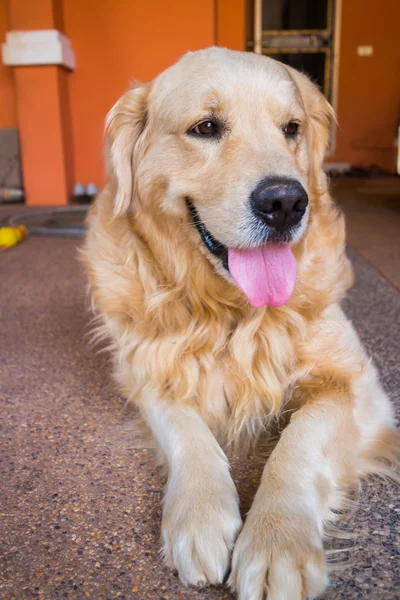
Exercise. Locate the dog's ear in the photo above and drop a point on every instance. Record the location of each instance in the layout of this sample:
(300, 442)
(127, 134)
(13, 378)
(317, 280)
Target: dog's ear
(125, 126)
(319, 119)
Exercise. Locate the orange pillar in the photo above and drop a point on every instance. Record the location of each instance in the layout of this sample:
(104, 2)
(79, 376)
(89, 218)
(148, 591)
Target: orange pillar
(42, 104)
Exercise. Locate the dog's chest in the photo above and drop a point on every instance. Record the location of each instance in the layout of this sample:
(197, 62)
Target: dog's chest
(249, 380)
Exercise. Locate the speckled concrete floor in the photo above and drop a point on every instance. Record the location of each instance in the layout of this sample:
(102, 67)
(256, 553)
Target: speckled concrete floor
(80, 500)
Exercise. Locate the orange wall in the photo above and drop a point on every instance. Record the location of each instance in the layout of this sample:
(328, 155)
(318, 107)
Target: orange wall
(369, 87)
(231, 24)
(8, 109)
(116, 41)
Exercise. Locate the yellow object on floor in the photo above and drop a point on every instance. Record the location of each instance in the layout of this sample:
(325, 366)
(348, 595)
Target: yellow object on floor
(10, 236)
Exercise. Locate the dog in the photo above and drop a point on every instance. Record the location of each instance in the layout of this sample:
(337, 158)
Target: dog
(216, 260)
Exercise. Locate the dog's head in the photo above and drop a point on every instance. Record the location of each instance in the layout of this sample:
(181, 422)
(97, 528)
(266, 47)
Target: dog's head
(232, 144)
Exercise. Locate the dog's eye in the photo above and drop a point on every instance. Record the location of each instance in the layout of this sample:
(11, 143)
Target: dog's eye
(291, 129)
(206, 129)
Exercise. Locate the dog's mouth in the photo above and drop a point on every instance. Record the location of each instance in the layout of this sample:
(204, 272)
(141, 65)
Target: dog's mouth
(266, 274)
(215, 247)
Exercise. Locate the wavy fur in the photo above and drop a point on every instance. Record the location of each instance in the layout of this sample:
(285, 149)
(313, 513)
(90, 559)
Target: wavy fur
(181, 332)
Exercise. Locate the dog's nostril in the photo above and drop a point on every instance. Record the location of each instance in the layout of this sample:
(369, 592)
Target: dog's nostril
(276, 206)
(300, 205)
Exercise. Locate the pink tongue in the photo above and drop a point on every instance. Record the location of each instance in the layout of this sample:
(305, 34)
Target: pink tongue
(266, 275)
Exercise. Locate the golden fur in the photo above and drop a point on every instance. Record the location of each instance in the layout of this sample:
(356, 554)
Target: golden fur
(181, 331)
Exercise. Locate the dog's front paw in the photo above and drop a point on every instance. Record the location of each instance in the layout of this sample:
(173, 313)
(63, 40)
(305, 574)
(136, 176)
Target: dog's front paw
(199, 529)
(278, 556)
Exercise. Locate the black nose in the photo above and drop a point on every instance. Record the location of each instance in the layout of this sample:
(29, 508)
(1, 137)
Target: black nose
(279, 202)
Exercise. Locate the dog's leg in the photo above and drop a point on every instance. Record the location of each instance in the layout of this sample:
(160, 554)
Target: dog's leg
(201, 516)
(332, 440)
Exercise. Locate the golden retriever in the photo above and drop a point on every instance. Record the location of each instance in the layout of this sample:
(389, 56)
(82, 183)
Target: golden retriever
(217, 264)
